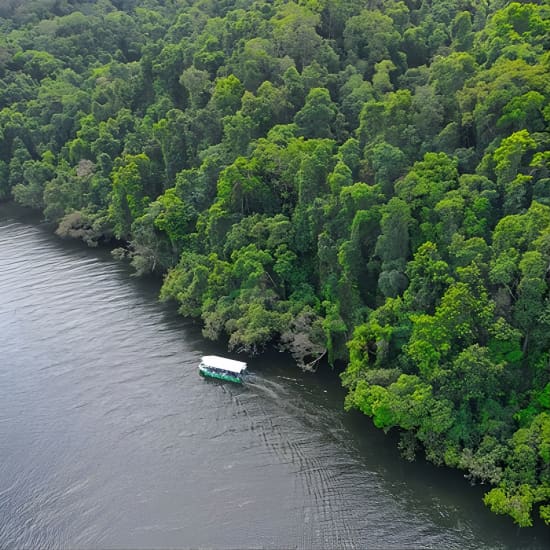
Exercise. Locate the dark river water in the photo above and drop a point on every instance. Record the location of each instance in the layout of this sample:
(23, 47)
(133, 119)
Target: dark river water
(110, 439)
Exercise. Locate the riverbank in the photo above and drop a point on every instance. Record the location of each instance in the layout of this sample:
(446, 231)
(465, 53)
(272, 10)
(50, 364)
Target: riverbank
(113, 440)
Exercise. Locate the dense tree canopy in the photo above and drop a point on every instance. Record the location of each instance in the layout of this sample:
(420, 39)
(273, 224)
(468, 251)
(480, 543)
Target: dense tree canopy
(363, 182)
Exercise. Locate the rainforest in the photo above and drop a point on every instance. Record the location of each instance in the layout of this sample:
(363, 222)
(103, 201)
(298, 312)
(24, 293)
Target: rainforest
(363, 183)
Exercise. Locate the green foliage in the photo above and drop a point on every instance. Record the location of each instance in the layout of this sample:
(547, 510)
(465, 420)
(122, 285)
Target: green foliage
(131, 179)
(365, 183)
(317, 117)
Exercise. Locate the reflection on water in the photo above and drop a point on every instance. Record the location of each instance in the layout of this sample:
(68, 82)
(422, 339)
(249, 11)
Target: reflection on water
(109, 438)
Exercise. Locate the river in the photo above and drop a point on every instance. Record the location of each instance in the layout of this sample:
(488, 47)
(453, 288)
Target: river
(109, 438)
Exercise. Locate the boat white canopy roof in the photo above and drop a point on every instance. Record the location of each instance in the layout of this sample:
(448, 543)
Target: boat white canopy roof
(216, 362)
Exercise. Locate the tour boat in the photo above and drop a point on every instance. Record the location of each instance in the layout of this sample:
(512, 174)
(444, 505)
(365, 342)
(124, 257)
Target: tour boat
(213, 366)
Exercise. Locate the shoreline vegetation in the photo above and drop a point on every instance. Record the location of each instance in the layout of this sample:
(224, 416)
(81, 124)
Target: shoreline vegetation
(363, 183)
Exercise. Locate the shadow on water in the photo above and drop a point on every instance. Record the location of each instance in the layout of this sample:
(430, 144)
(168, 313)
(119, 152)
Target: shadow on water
(421, 487)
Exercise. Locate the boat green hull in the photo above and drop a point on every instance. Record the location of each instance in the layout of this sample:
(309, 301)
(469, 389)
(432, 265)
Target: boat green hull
(221, 376)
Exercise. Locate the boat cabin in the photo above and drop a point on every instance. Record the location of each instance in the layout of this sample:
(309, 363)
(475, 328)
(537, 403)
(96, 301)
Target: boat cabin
(214, 366)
